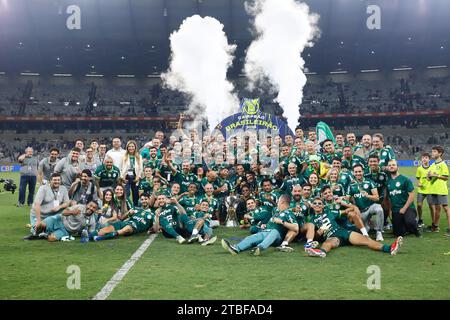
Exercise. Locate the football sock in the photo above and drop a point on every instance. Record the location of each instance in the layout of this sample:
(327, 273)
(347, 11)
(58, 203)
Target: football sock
(386, 248)
(109, 235)
(364, 231)
(284, 243)
(194, 232)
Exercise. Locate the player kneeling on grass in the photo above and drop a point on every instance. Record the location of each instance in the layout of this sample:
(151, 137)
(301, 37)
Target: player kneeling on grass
(336, 236)
(198, 225)
(139, 220)
(282, 221)
(69, 223)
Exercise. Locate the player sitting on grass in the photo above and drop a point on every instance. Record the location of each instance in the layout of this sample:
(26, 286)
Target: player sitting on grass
(255, 217)
(50, 199)
(139, 220)
(198, 225)
(300, 211)
(168, 212)
(275, 230)
(336, 236)
(71, 222)
(350, 218)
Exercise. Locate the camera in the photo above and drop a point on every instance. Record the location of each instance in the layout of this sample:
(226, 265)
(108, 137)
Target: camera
(9, 185)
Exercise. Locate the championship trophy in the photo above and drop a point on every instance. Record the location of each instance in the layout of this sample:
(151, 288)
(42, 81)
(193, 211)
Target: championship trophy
(231, 203)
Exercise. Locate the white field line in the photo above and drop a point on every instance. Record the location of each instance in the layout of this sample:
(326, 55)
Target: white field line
(120, 274)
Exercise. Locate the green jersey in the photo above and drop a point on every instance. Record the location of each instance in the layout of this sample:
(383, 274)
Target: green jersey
(285, 215)
(221, 183)
(213, 204)
(268, 200)
(328, 221)
(342, 219)
(355, 160)
(189, 203)
(259, 216)
(107, 178)
(315, 191)
(338, 189)
(146, 186)
(205, 181)
(154, 163)
(328, 157)
(170, 213)
(345, 179)
(294, 159)
(379, 179)
(203, 215)
(355, 190)
(300, 210)
(289, 182)
(166, 172)
(385, 154)
(398, 192)
(142, 220)
(185, 179)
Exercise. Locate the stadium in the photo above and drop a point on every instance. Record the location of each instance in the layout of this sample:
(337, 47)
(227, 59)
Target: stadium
(224, 150)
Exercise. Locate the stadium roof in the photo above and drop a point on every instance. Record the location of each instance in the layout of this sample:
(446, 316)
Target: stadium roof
(131, 36)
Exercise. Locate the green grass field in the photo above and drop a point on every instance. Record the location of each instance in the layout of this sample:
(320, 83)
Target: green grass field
(167, 270)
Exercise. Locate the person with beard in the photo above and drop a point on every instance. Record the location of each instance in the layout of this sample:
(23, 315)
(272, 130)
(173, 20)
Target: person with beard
(50, 199)
(107, 175)
(379, 178)
(69, 167)
(292, 179)
(349, 160)
(364, 194)
(364, 149)
(47, 166)
(385, 153)
(255, 217)
(138, 220)
(334, 236)
(301, 211)
(69, 223)
(329, 152)
(274, 231)
(351, 141)
(83, 190)
(401, 194)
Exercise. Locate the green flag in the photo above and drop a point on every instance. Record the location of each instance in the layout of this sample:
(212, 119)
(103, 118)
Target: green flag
(323, 132)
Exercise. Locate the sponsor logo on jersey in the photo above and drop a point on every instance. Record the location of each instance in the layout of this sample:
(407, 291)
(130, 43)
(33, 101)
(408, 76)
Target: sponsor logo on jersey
(395, 192)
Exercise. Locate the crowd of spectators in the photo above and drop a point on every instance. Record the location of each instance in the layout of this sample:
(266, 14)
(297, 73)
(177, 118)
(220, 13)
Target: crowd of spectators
(326, 98)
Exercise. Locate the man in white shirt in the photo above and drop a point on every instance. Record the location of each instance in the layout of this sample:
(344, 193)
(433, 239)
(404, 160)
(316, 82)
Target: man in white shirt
(116, 153)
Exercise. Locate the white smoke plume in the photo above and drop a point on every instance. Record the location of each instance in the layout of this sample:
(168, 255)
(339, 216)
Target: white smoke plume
(283, 28)
(199, 62)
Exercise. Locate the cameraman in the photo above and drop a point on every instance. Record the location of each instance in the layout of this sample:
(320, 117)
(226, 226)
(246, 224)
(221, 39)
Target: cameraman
(28, 176)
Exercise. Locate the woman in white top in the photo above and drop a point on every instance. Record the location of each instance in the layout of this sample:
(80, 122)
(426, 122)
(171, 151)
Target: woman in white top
(131, 170)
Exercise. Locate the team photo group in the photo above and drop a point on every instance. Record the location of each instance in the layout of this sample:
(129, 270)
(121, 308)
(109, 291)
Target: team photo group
(344, 190)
